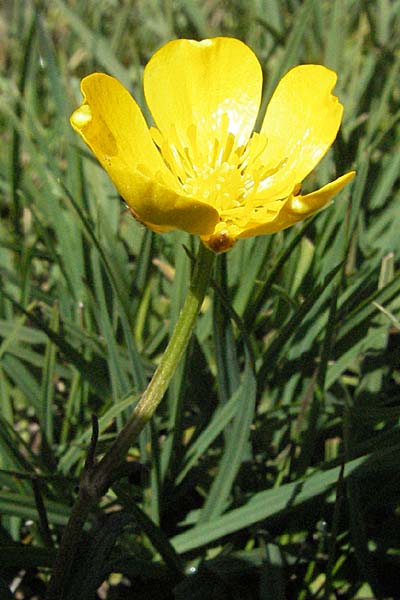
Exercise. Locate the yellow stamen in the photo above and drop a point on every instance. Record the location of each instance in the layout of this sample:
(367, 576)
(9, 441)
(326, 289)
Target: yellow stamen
(223, 173)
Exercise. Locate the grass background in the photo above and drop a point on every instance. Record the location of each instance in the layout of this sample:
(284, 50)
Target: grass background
(278, 484)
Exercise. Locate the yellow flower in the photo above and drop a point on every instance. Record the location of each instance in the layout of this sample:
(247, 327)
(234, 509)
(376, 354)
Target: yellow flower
(203, 169)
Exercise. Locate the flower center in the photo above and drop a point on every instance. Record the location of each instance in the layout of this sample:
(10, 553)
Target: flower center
(220, 172)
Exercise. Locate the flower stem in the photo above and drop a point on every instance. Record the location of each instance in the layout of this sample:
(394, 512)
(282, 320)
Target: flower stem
(167, 367)
(97, 478)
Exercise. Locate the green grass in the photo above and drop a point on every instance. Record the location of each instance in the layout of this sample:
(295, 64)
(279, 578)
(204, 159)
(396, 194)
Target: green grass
(274, 482)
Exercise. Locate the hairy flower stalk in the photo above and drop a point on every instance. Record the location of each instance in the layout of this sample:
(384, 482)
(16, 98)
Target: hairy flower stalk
(97, 478)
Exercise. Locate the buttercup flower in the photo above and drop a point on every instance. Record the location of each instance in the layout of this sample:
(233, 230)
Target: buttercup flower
(202, 169)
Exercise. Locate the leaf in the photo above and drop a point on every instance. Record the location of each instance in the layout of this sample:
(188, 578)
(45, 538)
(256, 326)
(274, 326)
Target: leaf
(264, 505)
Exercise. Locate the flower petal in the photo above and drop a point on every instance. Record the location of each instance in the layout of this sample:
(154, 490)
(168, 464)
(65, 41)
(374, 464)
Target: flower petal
(162, 209)
(298, 208)
(112, 125)
(301, 123)
(190, 83)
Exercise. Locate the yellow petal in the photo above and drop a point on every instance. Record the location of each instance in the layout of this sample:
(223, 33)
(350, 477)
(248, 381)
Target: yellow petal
(112, 125)
(190, 83)
(298, 208)
(301, 123)
(162, 209)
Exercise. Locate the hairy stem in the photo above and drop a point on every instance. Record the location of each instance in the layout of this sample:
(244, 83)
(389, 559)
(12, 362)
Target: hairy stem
(97, 478)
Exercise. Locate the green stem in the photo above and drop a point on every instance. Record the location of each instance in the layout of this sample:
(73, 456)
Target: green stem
(167, 367)
(96, 479)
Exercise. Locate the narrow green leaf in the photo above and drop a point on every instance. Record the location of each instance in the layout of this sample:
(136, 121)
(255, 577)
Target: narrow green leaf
(14, 504)
(262, 506)
(234, 451)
